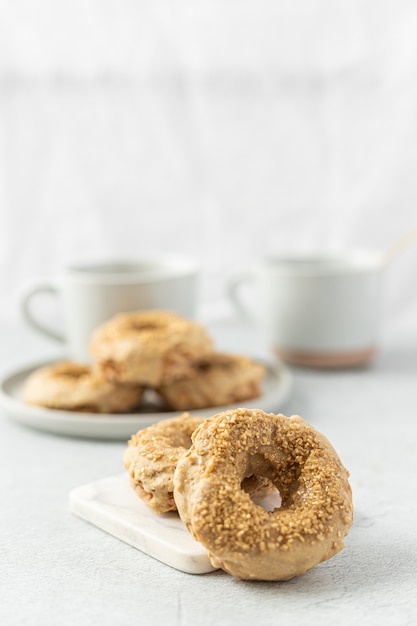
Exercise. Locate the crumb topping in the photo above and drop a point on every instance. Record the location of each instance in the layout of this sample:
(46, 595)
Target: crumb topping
(299, 461)
(215, 379)
(72, 386)
(67, 369)
(152, 455)
(153, 329)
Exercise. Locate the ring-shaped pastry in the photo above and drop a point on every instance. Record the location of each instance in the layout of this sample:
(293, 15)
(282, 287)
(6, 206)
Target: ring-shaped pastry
(151, 458)
(216, 379)
(77, 387)
(241, 537)
(148, 347)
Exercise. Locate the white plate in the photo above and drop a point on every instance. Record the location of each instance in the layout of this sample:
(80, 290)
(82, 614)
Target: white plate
(276, 388)
(111, 505)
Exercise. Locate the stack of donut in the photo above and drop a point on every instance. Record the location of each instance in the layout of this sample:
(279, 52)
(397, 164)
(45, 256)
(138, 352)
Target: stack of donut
(214, 471)
(136, 351)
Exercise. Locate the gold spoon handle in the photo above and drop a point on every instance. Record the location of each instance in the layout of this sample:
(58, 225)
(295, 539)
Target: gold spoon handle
(400, 245)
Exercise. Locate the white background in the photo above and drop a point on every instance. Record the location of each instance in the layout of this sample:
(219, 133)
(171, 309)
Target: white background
(222, 129)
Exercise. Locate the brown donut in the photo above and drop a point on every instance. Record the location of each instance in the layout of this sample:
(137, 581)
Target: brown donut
(148, 347)
(152, 456)
(215, 380)
(76, 387)
(241, 537)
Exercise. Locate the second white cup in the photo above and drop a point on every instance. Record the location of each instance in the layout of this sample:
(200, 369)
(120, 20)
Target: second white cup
(319, 311)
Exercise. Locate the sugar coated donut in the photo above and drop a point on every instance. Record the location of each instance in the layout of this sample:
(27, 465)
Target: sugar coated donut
(152, 456)
(215, 380)
(76, 387)
(148, 347)
(241, 537)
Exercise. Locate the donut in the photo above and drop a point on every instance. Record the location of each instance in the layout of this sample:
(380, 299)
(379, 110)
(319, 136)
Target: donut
(152, 455)
(77, 387)
(214, 380)
(147, 347)
(241, 537)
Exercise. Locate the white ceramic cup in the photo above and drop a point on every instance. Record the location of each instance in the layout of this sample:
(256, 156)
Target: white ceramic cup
(90, 294)
(319, 311)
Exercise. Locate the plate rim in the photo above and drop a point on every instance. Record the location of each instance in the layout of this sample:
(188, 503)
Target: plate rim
(55, 421)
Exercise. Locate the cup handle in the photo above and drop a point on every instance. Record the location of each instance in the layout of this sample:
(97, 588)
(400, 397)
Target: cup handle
(28, 315)
(233, 291)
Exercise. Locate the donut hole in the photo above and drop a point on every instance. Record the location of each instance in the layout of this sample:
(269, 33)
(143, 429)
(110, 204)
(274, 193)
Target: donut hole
(203, 366)
(262, 491)
(271, 501)
(267, 495)
(71, 371)
(140, 326)
(207, 364)
(280, 478)
(71, 375)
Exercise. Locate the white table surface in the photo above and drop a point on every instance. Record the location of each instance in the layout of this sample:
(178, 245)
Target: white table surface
(57, 569)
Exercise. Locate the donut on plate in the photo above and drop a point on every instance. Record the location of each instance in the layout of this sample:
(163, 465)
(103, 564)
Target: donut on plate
(214, 380)
(148, 347)
(241, 537)
(76, 387)
(152, 456)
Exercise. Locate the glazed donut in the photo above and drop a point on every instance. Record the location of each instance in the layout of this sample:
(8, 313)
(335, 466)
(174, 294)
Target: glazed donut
(152, 456)
(148, 347)
(215, 380)
(241, 537)
(76, 387)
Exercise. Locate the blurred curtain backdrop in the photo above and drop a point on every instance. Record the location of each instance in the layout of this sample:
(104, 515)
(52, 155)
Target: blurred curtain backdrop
(223, 129)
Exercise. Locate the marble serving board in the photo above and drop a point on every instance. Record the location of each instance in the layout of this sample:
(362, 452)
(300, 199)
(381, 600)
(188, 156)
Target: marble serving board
(111, 505)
